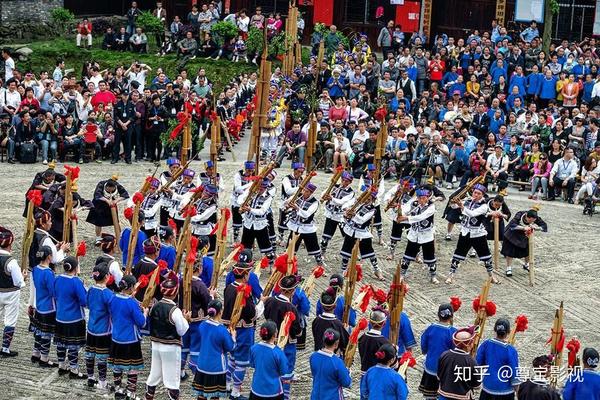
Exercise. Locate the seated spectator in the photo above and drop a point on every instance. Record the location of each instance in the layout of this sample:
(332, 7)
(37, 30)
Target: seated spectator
(541, 173)
(186, 49)
(122, 40)
(108, 43)
(294, 144)
(7, 136)
(25, 133)
(226, 51)
(84, 31)
(208, 47)
(139, 41)
(341, 150)
(497, 166)
(29, 101)
(563, 175)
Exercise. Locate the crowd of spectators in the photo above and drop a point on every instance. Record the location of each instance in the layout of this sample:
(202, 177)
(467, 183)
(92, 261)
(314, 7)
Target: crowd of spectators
(456, 107)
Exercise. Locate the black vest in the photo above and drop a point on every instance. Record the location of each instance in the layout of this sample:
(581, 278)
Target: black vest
(36, 243)
(162, 330)
(248, 315)
(6, 282)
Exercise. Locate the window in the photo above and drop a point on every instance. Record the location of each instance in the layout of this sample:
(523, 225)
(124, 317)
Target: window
(272, 6)
(364, 11)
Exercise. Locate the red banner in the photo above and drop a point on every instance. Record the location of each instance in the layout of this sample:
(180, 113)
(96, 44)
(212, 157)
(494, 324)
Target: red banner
(408, 15)
(323, 12)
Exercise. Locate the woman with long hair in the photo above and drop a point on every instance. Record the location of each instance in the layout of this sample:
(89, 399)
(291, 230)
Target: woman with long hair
(541, 173)
(589, 174)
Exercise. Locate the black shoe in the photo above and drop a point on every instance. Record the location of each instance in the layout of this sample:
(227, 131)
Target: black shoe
(9, 353)
(184, 377)
(113, 161)
(35, 359)
(91, 382)
(128, 161)
(48, 364)
(551, 198)
(77, 375)
(63, 371)
(11, 161)
(570, 201)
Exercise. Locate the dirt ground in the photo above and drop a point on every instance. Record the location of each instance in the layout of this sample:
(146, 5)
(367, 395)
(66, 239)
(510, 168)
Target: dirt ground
(566, 258)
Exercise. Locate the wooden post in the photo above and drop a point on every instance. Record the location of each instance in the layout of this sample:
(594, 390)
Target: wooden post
(27, 237)
(114, 212)
(398, 291)
(312, 139)
(186, 140)
(557, 335)
(67, 210)
(481, 317)
(220, 249)
(496, 242)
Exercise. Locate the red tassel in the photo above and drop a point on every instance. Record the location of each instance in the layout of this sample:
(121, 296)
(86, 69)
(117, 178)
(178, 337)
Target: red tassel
(476, 304)
(81, 249)
(289, 318)
(190, 211)
(573, 347)
(407, 356)
(359, 273)
(143, 281)
(281, 264)
(490, 308)
(364, 304)
(380, 296)
(138, 198)
(264, 262)
(192, 255)
(456, 303)
(362, 325)
(318, 271)
(172, 224)
(35, 197)
(380, 114)
(246, 289)
(72, 172)
(521, 323)
(128, 213)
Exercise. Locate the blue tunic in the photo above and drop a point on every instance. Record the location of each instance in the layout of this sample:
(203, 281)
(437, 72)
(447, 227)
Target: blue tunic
(43, 281)
(383, 383)
(167, 254)
(207, 271)
(252, 281)
(406, 337)
(585, 385)
(338, 311)
(435, 340)
(269, 365)
(98, 302)
(547, 89)
(139, 248)
(215, 341)
(498, 356)
(127, 319)
(330, 375)
(71, 298)
(533, 83)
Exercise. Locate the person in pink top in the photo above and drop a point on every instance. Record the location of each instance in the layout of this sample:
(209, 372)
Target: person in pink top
(541, 172)
(338, 111)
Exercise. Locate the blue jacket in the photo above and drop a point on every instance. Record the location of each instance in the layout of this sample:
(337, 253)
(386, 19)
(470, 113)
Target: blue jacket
(534, 81)
(252, 281)
(98, 302)
(510, 101)
(520, 82)
(435, 340)
(329, 374)
(495, 124)
(301, 302)
(406, 337)
(139, 248)
(43, 281)
(461, 87)
(587, 91)
(207, 271)
(215, 342)
(580, 70)
(412, 73)
(336, 90)
(585, 386)
(269, 365)
(127, 319)
(382, 383)
(497, 72)
(466, 59)
(547, 88)
(449, 77)
(498, 356)
(167, 254)
(395, 103)
(71, 298)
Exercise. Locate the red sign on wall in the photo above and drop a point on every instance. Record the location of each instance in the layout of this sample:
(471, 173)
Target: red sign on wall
(323, 12)
(408, 15)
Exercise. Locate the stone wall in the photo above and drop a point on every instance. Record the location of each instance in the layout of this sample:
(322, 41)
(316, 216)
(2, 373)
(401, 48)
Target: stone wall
(27, 10)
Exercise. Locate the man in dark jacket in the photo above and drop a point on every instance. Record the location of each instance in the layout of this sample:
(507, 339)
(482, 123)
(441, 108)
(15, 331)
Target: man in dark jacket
(124, 116)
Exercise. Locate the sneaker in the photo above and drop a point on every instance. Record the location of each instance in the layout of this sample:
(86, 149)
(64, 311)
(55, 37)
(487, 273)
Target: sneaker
(503, 193)
(379, 275)
(45, 162)
(526, 267)
(450, 279)
(77, 375)
(472, 253)
(92, 382)
(509, 271)
(434, 280)
(448, 237)
(80, 161)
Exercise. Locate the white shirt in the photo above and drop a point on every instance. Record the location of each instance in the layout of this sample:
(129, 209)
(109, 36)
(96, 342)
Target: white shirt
(342, 145)
(596, 89)
(466, 228)
(256, 218)
(115, 269)
(10, 99)
(139, 77)
(15, 271)
(9, 66)
(564, 169)
(497, 163)
(417, 233)
(295, 225)
(242, 23)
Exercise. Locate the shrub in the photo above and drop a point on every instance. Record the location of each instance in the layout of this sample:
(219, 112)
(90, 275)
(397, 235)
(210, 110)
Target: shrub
(223, 31)
(255, 41)
(62, 16)
(149, 23)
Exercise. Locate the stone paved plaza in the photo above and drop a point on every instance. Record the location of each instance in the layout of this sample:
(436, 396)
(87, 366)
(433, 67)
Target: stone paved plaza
(567, 268)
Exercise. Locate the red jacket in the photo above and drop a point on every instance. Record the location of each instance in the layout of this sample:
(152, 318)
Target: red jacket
(84, 29)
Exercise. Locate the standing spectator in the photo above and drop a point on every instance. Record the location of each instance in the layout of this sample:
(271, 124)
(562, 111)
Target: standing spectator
(422, 67)
(243, 23)
(530, 33)
(132, 15)
(160, 13)
(9, 64)
(84, 31)
(47, 137)
(108, 42)
(57, 75)
(137, 73)
(258, 19)
(384, 40)
(205, 18)
(157, 116)
(139, 41)
(193, 19)
(103, 95)
(332, 40)
(124, 117)
(137, 135)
